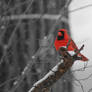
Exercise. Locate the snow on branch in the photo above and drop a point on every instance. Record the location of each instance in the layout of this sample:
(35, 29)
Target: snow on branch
(56, 73)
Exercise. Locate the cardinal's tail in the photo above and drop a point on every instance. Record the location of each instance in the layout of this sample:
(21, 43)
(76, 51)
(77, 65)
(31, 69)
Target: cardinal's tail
(83, 57)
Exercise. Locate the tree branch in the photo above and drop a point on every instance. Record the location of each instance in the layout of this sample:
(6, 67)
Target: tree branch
(56, 73)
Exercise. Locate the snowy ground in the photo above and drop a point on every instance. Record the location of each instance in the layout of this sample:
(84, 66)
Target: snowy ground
(81, 27)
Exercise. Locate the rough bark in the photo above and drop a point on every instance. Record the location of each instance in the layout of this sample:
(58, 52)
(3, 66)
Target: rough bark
(57, 72)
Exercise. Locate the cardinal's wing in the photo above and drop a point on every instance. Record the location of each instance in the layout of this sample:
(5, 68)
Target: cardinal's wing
(73, 44)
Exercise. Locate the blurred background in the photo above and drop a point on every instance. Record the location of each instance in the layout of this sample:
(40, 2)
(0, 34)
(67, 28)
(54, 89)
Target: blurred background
(27, 32)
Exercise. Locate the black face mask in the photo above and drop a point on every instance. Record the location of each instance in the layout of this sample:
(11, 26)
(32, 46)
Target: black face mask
(60, 37)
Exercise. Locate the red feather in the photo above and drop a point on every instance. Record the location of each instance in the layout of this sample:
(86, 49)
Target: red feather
(62, 40)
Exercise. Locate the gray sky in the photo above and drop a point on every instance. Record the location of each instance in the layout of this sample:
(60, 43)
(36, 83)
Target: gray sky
(81, 21)
(81, 27)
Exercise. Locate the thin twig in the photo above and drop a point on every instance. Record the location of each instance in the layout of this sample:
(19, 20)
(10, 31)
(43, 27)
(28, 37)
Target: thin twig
(7, 81)
(79, 83)
(80, 8)
(13, 33)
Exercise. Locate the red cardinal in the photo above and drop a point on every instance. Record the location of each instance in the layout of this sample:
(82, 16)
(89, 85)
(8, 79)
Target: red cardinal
(62, 40)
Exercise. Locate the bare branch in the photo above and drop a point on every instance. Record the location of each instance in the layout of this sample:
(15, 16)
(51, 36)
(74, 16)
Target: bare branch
(8, 81)
(13, 33)
(56, 73)
(80, 84)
